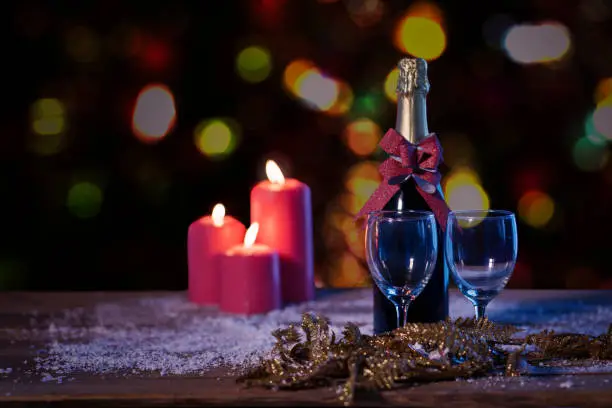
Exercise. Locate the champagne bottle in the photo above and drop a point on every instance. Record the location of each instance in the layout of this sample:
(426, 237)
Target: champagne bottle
(411, 122)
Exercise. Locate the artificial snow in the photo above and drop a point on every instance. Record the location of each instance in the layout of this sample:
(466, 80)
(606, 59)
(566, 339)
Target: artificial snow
(167, 335)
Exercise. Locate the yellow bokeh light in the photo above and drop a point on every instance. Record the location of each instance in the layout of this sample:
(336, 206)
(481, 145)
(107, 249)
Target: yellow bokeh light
(463, 191)
(420, 36)
(349, 272)
(461, 175)
(362, 136)
(352, 203)
(344, 101)
(361, 181)
(391, 84)
(365, 170)
(48, 117)
(425, 9)
(216, 138)
(536, 208)
(294, 71)
(353, 236)
(154, 113)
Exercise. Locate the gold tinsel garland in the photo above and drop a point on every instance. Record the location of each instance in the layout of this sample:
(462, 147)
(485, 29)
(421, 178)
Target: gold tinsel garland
(419, 352)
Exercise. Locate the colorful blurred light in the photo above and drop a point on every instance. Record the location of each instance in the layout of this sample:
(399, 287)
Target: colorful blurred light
(420, 37)
(302, 79)
(316, 90)
(344, 101)
(84, 199)
(349, 272)
(391, 84)
(254, 64)
(154, 113)
(541, 43)
(369, 105)
(589, 156)
(603, 92)
(293, 71)
(463, 191)
(216, 138)
(602, 120)
(353, 236)
(361, 180)
(592, 133)
(48, 117)
(362, 136)
(536, 208)
(420, 31)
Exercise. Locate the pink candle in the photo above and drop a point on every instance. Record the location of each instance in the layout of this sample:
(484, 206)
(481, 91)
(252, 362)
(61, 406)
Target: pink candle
(282, 208)
(206, 238)
(250, 277)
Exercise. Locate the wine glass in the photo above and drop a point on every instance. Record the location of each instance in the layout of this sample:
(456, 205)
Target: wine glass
(481, 249)
(401, 252)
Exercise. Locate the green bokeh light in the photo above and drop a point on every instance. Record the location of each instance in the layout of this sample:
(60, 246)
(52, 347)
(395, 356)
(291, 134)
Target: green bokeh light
(592, 134)
(367, 105)
(254, 64)
(590, 156)
(84, 200)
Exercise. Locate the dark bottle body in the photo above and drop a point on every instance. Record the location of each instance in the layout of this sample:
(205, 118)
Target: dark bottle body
(432, 304)
(411, 122)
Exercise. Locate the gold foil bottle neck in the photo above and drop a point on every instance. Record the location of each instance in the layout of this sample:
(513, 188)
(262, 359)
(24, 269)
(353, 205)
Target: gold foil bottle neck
(412, 76)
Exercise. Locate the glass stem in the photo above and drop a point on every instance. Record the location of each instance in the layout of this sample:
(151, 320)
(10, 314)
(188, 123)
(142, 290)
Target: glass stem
(480, 310)
(401, 307)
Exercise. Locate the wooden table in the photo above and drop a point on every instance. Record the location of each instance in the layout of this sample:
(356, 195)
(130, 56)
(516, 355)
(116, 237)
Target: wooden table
(217, 387)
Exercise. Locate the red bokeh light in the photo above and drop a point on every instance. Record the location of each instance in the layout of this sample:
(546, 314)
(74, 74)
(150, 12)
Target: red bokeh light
(522, 277)
(156, 55)
(533, 177)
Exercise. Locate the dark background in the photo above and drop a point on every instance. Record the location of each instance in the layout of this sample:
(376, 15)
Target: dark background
(520, 127)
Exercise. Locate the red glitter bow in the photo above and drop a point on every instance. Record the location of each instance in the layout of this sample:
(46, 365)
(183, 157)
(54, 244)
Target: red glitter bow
(419, 161)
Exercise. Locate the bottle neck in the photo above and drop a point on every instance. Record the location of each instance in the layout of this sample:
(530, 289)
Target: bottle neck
(411, 120)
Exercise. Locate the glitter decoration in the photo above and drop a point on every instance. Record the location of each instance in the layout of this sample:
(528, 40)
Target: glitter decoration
(417, 352)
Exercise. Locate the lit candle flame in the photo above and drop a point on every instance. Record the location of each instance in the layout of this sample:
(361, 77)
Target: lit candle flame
(274, 173)
(251, 235)
(218, 214)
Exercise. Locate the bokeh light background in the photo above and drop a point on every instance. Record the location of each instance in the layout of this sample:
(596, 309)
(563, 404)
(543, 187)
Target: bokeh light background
(123, 122)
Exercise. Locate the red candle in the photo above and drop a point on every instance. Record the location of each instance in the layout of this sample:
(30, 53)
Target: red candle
(282, 208)
(250, 277)
(206, 238)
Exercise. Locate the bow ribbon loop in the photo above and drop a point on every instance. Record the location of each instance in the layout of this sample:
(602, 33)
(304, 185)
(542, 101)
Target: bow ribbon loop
(418, 161)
